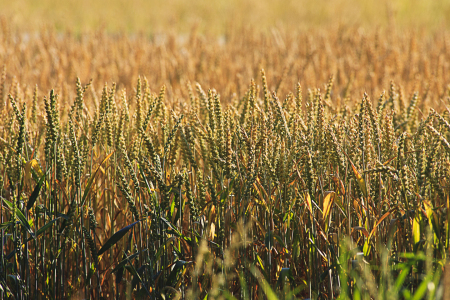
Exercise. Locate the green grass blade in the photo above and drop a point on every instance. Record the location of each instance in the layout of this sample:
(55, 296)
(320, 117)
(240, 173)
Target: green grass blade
(116, 237)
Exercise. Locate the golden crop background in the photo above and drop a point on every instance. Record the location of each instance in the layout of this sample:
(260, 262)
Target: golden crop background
(217, 16)
(359, 61)
(227, 149)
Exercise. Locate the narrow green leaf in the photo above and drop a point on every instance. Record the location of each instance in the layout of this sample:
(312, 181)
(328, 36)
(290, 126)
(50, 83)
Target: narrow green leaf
(116, 237)
(44, 228)
(35, 193)
(270, 294)
(10, 255)
(6, 224)
(20, 217)
(9, 204)
(423, 287)
(124, 261)
(23, 221)
(131, 270)
(176, 232)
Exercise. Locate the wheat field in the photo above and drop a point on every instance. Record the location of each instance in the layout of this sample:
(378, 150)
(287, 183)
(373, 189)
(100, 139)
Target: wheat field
(231, 161)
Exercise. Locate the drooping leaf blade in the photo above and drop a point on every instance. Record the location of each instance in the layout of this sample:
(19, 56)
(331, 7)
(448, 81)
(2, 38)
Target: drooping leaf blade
(23, 221)
(6, 224)
(35, 193)
(116, 237)
(44, 228)
(20, 216)
(125, 260)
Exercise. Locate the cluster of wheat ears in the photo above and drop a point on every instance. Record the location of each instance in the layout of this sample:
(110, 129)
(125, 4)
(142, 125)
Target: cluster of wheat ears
(277, 164)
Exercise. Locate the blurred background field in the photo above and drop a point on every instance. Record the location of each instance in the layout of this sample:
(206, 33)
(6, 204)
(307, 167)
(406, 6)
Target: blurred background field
(217, 16)
(172, 42)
